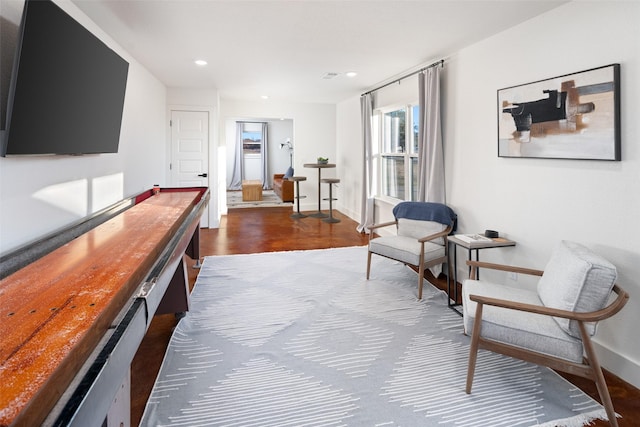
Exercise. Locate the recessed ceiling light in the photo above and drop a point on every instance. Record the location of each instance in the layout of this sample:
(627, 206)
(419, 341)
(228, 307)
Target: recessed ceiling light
(200, 62)
(264, 96)
(351, 74)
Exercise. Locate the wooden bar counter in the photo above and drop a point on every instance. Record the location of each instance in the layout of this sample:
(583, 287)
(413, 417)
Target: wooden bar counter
(57, 309)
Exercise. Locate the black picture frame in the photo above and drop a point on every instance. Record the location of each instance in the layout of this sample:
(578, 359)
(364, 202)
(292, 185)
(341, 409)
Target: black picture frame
(573, 116)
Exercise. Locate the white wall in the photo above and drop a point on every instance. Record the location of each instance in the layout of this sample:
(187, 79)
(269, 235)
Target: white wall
(279, 132)
(41, 194)
(314, 135)
(350, 157)
(538, 202)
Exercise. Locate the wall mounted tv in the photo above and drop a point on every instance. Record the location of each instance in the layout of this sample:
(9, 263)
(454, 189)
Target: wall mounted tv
(67, 89)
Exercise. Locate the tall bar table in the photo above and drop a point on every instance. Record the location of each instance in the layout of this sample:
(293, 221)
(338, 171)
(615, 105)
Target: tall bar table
(319, 166)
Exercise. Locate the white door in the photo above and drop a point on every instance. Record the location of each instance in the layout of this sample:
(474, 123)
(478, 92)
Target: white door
(190, 151)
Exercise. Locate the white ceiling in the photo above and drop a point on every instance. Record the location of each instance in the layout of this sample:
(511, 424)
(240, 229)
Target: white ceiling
(283, 48)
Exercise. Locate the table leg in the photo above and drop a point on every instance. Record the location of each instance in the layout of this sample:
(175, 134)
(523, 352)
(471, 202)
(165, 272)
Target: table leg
(455, 278)
(455, 273)
(319, 214)
(454, 304)
(477, 268)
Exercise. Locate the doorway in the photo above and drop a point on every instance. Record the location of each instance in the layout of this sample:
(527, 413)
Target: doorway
(278, 157)
(189, 165)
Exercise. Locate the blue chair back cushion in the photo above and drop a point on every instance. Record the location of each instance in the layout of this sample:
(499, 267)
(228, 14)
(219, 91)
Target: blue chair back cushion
(426, 211)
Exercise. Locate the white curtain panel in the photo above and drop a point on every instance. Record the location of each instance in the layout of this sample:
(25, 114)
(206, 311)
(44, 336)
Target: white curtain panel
(367, 205)
(264, 158)
(238, 161)
(431, 177)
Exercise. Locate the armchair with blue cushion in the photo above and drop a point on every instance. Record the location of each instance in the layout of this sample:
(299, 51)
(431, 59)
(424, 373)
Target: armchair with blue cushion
(420, 239)
(551, 325)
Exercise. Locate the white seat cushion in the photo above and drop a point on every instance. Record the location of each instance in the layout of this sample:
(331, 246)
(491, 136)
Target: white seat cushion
(405, 249)
(576, 279)
(526, 330)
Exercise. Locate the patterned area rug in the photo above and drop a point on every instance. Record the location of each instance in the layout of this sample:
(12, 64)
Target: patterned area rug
(269, 200)
(301, 338)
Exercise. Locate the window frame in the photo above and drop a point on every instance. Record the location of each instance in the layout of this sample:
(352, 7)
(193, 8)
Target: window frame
(250, 145)
(408, 155)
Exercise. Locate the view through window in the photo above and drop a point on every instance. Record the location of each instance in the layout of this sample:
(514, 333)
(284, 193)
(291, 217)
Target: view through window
(251, 138)
(398, 161)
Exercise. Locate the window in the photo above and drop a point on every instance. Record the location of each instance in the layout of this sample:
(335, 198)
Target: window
(398, 159)
(251, 138)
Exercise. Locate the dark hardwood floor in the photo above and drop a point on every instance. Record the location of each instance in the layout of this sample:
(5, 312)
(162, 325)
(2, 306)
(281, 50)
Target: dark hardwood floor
(270, 229)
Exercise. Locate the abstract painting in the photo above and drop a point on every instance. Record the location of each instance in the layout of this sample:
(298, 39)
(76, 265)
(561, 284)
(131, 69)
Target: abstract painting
(574, 116)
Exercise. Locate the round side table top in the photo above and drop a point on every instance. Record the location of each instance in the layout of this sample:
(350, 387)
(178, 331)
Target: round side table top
(330, 180)
(298, 178)
(319, 165)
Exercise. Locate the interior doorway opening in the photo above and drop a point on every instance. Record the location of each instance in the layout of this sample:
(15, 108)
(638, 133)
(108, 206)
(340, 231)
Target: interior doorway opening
(279, 154)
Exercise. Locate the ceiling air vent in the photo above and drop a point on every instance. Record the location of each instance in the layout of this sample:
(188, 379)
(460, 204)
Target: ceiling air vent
(329, 76)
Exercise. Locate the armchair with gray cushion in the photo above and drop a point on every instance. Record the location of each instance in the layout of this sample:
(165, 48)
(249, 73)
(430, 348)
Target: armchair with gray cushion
(552, 325)
(420, 239)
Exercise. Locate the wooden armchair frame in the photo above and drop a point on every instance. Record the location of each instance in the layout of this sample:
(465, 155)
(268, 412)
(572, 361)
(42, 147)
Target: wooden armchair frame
(590, 368)
(421, 265)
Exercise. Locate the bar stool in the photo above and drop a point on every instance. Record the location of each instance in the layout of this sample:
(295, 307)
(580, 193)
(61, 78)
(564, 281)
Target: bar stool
(330, 181)
(297, 180)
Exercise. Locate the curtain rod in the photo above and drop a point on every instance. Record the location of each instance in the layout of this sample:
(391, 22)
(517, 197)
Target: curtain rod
(244, 121)
(435, 64)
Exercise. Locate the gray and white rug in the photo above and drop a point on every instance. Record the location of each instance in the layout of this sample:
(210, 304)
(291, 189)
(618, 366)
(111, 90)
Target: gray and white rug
(302, 339)
(269, 200)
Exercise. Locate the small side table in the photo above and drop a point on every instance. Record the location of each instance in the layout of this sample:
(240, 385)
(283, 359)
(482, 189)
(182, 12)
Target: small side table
(498, 242)
(251, 190)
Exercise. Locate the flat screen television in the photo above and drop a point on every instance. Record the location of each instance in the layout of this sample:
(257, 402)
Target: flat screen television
(67, 88)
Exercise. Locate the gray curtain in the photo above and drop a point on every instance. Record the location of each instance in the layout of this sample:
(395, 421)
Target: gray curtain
(367, 201)
(264, 158)
(238, 161)
(431, 177)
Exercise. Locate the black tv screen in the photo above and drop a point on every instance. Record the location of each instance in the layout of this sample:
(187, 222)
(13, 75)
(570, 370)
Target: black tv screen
(67, 89)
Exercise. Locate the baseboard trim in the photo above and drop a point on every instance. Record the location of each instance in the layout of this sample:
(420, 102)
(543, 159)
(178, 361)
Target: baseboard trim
(619, 365)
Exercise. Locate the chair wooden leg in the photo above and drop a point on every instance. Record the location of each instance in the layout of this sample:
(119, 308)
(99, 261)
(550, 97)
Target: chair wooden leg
(368, 264)
(601, 384)
(473, 348)
(421, 271)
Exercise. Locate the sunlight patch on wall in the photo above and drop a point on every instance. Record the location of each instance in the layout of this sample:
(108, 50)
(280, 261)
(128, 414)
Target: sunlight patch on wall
(68, 196)
(83, 197)
(107, 190)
